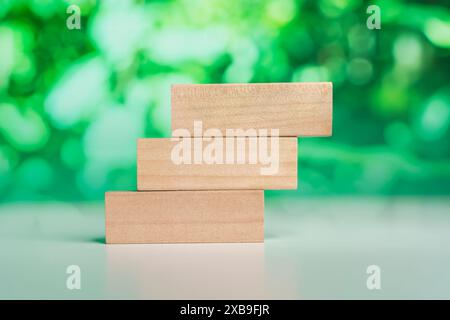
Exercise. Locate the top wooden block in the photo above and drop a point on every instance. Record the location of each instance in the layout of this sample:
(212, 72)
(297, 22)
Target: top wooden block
(296, 109)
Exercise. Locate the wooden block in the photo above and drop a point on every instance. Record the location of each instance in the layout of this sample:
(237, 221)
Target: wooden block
(184, 216)
(296, 109)
(157, 171)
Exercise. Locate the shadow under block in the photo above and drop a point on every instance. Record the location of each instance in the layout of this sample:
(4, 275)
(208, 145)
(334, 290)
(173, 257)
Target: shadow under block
(296, 109)
(184, 216)
(157, 171)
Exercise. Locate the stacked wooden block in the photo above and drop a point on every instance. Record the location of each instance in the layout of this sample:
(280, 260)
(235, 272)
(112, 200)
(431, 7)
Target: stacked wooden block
(196, 200)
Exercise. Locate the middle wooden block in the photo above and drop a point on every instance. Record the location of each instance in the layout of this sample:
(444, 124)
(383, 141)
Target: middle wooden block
(234, 163)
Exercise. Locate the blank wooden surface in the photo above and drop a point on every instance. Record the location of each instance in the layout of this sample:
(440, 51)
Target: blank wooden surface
(184, 216)
(156, 171)
(296, 109)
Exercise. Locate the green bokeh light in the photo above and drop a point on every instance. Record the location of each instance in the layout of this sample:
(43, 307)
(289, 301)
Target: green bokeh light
(73, 102)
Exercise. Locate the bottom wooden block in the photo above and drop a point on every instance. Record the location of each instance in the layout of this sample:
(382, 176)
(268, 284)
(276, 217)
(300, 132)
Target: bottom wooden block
(184, 216)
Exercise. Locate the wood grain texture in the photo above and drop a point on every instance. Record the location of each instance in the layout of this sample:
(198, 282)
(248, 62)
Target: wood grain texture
(156, 171)
(296, 109)
(184, 216)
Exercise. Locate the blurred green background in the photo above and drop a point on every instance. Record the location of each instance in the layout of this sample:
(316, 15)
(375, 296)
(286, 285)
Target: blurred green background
(72, 102)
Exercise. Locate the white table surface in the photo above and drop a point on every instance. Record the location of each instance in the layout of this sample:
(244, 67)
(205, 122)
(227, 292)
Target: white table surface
(315, 248)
